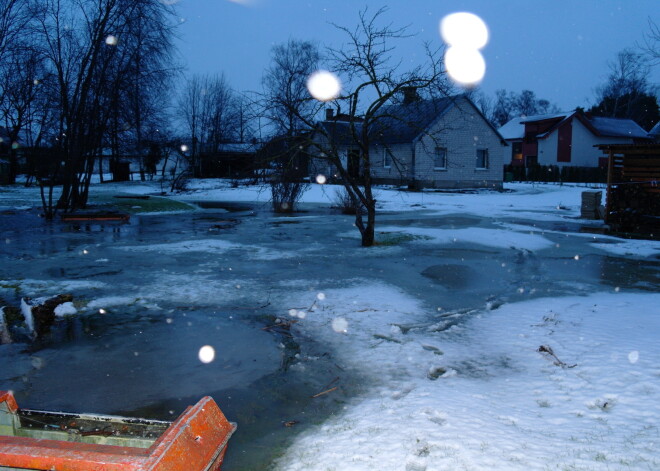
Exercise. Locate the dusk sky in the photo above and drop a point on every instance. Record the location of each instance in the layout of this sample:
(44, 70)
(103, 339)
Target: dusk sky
(559, 48)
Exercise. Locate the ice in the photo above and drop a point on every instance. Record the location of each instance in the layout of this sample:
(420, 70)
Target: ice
(26, 310)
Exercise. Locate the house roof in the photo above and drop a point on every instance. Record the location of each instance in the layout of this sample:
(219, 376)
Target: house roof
(615, 127)
(515, 129)
(403, 122)
(398, 123)
(599, 126)
(655, 131)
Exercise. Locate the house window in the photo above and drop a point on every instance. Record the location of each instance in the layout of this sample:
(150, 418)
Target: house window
(440, 158)
(482, 158)
(387, 158)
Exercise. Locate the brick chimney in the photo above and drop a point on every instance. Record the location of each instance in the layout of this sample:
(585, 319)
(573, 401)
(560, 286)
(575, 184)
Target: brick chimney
(329, 114)
(409, 95)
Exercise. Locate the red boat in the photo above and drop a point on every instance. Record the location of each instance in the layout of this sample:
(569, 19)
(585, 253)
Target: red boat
(40, 440)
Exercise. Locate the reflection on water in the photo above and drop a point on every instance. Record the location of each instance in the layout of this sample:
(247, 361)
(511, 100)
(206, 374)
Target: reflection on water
(122, 362)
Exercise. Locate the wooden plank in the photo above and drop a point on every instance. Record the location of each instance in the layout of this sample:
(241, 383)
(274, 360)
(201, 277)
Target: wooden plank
(653, 161)
(655, 170)
(642, 177)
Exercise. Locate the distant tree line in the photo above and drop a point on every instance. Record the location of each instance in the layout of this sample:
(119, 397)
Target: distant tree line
(81, 76)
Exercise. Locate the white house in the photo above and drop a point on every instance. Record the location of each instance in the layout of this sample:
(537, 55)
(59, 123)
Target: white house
(567, 139)
(439, 143)
(655, 132)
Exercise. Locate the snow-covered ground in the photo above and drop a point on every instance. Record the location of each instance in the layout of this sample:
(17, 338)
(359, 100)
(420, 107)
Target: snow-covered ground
(478, 389)
(485, 393)
(480, 395)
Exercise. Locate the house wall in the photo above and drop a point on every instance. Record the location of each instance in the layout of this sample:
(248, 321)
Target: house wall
(583, 153)
(322, 166)
(462, 131)
(400, 167)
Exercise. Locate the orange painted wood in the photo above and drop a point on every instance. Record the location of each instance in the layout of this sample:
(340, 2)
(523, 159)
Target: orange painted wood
(8, 398)
(196, 441)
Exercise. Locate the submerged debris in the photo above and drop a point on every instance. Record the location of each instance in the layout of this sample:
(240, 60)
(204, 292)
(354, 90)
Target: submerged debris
(5, 338)
(37, 314)
(548, 351)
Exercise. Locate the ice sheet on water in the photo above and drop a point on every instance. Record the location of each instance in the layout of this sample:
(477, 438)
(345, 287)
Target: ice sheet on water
(475, 235)
(637, 248)
(200, 245)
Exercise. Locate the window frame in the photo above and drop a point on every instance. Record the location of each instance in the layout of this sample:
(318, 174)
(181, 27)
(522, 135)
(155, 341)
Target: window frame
(436, 154)
(485, 159)
(387, 158)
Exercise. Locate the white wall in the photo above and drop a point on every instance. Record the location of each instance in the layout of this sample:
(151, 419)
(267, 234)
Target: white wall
(583, 152)
(462, 131)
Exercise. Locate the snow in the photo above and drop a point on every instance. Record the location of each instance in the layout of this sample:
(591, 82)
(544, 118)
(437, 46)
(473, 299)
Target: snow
(446, 390)
(498, 402)
(65, 309)
(542, 202)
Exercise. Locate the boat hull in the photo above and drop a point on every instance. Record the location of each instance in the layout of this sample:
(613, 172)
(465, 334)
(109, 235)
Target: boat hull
(196, 441)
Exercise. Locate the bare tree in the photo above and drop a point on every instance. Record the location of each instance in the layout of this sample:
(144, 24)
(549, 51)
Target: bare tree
(373, 80)
(626, 93)
(285, 98)
(13, 19)
(212, 113)
(22, 107)
(509, 105)
(91, 48)
(504, 108)
(651, 45)
(286, 106)
(149, 72)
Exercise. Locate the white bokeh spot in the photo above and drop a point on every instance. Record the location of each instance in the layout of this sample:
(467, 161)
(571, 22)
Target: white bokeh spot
(464, 29)
(324, 85)
(206, 354)
(465, 66)
(633, 357)
(340, 325)
(466, 34)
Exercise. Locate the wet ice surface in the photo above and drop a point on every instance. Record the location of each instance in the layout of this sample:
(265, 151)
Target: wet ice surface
(171, 284)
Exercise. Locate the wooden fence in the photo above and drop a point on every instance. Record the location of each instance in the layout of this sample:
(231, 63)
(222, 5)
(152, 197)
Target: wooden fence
(633, 187)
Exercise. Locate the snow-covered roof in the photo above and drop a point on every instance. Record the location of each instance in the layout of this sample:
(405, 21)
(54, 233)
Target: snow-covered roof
(610, 127)
(544, 117)
(615, 127)
(655, 131)
(515, 129)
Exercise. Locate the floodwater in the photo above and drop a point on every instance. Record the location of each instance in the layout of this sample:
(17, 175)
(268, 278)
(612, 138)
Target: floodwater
(139, 356)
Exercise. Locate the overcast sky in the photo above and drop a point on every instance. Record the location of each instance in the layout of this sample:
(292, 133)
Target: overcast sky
(557, 48)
